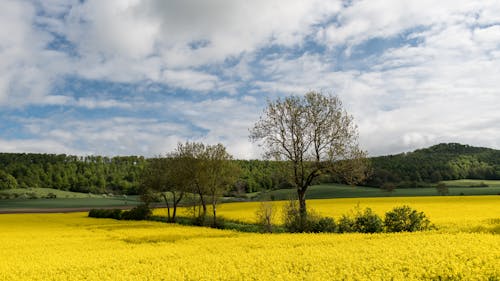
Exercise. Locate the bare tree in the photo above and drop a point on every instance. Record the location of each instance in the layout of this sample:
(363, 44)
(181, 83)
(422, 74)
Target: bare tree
(315, 135)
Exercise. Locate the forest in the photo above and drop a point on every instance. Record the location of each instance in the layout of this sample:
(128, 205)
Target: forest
(121, 174)
(445, 161)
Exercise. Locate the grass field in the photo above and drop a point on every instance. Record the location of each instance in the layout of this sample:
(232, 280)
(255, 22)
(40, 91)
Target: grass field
(66, 199)
(74, 247)
(469, 183)
(323, 191)
(43, 192)
(12, 204)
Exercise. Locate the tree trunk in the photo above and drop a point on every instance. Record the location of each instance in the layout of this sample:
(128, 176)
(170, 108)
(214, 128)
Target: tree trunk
(176, 202)
(215, 213)
(168, 206)
(301, 192)
(204, 206)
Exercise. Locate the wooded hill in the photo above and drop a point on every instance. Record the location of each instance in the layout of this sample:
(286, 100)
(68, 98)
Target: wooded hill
(445, 161)
(121, 175)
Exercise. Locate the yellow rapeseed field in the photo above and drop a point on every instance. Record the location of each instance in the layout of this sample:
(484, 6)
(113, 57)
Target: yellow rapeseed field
(449, 213)
(74, 247)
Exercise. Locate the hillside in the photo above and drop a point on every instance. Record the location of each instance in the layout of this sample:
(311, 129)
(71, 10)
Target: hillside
(121, 175)
(445, 161)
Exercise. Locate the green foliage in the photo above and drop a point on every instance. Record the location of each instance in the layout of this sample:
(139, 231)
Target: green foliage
(141, 212)
(7, 181)
(295, 221)
(450, 161)
(94, 174)
(346, 224)
(368, 222)
(51, 195)
(106, 213)
(364, 222)
(406, 219)
(324, 224)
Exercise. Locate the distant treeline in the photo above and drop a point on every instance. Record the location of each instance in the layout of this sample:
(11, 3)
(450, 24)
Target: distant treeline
(95, 174)
(450, 161)
(118, 175)
(121, 174)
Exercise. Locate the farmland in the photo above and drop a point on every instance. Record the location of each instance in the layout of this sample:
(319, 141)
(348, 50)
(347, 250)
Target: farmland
(66, 199)
(72, 246)
(323, 191)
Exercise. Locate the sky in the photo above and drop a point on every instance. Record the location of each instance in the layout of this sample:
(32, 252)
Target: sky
(135, 77)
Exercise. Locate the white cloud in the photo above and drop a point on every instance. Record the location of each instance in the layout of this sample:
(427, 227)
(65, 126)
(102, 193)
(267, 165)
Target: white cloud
(226, 120)
(443, 89)
(364, 20)
(108, 136)
(38, 145)
(174, 37)
(439, 82)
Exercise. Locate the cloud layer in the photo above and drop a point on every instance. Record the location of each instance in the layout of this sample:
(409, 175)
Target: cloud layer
(136, 77)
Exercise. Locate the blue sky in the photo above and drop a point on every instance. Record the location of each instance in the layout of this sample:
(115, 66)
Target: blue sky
(136, 77)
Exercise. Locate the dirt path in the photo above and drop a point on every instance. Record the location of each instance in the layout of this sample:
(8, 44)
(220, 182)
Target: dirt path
(58, 210)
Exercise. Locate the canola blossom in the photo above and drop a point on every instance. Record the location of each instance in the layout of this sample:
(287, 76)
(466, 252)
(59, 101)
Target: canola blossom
(74, 247)
(448, 213)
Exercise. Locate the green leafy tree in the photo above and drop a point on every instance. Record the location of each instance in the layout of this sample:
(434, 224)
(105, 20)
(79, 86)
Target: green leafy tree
(7, 181)
(162, 177)
(210, 170)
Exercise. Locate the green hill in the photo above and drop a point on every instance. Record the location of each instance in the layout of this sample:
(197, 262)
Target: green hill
(446, 161)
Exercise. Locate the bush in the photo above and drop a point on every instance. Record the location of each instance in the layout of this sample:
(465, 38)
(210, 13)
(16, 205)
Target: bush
(292, 218)
(312, 222)
(141, 212)
(106, 213)
(51, 196)
(324, 224)
(405, 218)
(365, 222)
(346, 224)
(368, 222)
(265, 216)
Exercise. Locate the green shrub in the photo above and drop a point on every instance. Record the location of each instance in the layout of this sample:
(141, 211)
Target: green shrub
(141, 212)
(31, 195)
(292, 218)
(106, 213)
(365, 222)
(312, 222)
(346, 224)
(51, 196)
(324, 224)
(405, 218)
(368, 222)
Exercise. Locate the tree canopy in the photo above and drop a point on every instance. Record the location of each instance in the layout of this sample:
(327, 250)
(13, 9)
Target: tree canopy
(313, 135)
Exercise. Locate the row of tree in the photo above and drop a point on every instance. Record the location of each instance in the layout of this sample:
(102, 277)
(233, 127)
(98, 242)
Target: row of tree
(117, 175)
(122, 175)
(95, 174)
(203, 171)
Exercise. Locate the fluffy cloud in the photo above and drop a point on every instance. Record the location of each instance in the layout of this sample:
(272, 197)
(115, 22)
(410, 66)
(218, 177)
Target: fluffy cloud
(412, 73)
